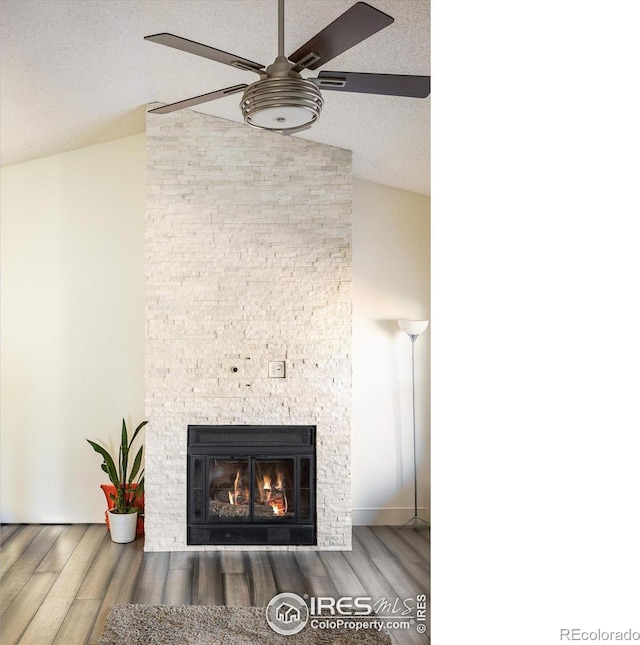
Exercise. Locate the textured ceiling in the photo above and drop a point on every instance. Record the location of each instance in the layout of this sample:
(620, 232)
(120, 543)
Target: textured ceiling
(78, 72)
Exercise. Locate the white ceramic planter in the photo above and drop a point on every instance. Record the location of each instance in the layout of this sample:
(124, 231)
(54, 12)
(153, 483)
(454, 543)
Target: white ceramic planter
(123, 527)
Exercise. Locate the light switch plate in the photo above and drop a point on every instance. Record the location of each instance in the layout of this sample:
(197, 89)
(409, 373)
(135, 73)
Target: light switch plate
(276, 369)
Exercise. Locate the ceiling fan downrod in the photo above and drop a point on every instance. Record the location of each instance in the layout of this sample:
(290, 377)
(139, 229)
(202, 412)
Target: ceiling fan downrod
(281, 100)
(280, 27)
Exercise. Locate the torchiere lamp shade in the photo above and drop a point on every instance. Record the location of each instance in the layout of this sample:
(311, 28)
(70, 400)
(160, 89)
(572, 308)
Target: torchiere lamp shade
(413, 327)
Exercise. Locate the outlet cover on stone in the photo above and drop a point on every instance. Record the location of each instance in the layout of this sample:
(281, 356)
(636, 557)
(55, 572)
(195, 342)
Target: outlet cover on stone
(276, 369)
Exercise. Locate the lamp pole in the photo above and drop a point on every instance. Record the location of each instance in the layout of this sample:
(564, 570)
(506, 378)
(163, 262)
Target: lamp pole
(413, 328)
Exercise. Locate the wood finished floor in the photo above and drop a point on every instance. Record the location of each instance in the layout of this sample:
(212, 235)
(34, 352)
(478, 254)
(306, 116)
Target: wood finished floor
(59, 581)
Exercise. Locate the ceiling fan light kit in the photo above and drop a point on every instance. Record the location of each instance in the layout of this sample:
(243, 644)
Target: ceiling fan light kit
(282, 100)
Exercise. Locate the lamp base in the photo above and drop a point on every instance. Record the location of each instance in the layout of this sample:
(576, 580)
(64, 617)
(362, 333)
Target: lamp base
(415, 517)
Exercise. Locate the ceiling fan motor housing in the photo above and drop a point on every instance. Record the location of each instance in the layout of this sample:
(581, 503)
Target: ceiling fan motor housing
(282, 100)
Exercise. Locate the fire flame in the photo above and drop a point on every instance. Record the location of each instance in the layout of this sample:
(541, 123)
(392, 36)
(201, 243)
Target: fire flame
(271, 493)
(275, 495)
(240, 494)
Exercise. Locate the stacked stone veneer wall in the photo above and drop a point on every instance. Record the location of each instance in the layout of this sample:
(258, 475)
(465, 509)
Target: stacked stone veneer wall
(248, 260)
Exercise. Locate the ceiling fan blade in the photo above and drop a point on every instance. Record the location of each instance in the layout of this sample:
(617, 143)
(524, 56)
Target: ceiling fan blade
(352, 27)
(391, 84)
(196, 100)
(192, 47)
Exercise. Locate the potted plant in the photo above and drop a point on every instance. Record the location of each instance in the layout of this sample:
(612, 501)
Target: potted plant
(128, 484)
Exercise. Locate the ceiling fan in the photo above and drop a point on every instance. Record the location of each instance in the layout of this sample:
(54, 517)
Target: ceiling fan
(282, 100)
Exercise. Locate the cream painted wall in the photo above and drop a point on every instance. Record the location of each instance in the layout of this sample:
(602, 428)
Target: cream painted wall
(391, 276)
(73, 333)
(72, 325)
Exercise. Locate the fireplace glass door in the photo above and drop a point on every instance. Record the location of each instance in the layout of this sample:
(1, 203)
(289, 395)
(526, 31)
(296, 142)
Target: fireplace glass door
(229, 490)
(274, 489)
(259, 490)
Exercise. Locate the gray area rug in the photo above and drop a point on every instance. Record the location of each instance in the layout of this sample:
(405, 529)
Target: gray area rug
(205, 625)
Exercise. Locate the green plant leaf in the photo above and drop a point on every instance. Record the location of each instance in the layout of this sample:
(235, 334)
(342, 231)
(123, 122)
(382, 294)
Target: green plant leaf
(136, 465)
(121, 501)
(124, 440)
(120, 463)
(135, 434)
(124, 447)
(108, 462)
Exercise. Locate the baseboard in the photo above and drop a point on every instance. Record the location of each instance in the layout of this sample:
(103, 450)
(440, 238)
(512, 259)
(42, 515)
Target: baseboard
(395, 516)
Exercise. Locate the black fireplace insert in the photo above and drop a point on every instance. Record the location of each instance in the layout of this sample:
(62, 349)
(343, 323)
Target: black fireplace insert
(251, 485)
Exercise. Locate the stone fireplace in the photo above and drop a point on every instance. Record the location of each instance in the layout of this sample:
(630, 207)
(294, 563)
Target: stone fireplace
(248, 306)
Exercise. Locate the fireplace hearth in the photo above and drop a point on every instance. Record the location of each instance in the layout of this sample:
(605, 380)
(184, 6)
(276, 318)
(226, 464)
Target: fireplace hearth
(251, 485)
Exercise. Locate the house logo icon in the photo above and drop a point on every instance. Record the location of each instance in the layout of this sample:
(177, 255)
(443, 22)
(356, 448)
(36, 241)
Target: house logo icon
(287, 614)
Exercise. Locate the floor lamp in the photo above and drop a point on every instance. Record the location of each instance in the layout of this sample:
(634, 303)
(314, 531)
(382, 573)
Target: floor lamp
(413, 328)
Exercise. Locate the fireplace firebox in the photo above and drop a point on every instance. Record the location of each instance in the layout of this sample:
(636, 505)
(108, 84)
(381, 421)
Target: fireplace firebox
(251, 485)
